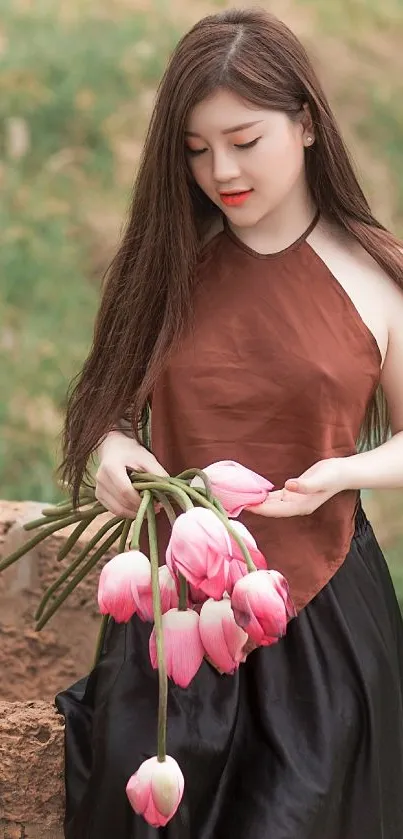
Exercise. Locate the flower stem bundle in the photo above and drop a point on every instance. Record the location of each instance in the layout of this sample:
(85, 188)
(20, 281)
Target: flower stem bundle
(213, 601)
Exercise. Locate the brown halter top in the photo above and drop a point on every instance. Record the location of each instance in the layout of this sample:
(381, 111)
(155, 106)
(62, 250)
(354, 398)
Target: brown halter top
(276, 373)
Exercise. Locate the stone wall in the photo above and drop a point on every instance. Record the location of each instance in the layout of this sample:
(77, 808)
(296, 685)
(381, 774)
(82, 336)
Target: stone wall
(34, 666)
(31, 771)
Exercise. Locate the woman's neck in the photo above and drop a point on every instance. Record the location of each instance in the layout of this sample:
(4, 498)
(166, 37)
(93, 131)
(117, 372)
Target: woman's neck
(281, 227)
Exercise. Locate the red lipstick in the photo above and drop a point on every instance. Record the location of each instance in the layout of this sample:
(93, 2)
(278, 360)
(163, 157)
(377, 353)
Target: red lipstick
(235, 199)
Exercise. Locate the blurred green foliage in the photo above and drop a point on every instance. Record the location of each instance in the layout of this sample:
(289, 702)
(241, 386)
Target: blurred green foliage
(68, 88)
(76, 87)
(371, 36)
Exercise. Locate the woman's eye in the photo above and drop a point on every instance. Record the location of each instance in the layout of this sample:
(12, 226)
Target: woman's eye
(248, 145)
(194, 152)
(197, 152)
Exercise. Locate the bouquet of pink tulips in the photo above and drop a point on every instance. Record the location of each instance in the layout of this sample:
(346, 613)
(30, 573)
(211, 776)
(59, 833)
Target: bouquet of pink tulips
(214, 598)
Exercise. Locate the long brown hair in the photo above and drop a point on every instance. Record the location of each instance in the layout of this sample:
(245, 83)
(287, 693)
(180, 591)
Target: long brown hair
(147, 297)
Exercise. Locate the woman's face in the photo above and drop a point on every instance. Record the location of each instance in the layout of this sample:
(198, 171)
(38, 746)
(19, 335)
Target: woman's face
(233, 146)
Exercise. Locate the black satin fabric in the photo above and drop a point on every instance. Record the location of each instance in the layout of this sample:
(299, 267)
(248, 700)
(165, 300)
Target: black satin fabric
(304, 742)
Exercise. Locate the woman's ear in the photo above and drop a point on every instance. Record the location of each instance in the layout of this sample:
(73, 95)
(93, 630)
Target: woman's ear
(308, 129)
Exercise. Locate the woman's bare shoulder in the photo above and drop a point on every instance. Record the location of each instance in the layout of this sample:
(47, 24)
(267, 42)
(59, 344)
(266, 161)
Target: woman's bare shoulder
(336, 245)
(374, 294)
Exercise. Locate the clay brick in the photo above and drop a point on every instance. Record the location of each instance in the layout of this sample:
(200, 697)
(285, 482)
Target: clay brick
(31, 766)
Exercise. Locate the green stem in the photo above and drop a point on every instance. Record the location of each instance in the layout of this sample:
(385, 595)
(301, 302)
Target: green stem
(145, 480)
(125, 533)
(72, 567)
(144, 476)
(65, 509)
(193, 473)
(73, 538)
(75, 517)
(85, 497)
(181, 495)
(101, 639)
(171, 515)
(135, 540)
(31, 543)
(57, 512)
(220, 507)
(169, 487)
(157, 483)
(166, 505)
(202, 491)
(97, 536)
(162, 675)
(80, 576)
(72, 518)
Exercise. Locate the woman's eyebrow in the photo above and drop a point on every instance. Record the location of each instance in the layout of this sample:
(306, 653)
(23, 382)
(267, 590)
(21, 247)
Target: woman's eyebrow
(228, 130)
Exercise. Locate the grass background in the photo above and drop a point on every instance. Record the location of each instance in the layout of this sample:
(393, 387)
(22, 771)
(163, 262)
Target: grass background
(77, 83)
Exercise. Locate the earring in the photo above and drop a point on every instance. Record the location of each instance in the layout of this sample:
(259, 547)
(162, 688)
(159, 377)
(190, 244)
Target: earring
(309, 141)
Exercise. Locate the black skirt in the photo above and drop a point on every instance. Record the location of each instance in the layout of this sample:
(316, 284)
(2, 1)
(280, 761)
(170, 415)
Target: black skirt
(304, 742)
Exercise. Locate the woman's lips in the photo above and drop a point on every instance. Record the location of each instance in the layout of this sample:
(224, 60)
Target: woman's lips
(235, 199)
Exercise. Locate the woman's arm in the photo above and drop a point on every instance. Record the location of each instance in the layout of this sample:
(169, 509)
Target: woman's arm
(382, 468)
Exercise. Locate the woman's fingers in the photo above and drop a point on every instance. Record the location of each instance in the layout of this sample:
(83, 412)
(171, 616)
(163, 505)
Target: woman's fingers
(121, 504)
(116, 481)
(113, 487)
(146, 462)
(111, 504)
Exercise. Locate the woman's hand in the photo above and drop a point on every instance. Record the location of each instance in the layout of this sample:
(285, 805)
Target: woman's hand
(302, 496)
(113, 487)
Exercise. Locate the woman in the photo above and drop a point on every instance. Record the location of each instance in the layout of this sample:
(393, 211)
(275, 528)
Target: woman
(259, 303)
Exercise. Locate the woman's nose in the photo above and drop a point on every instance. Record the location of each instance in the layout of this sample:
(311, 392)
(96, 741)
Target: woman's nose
(225, 168)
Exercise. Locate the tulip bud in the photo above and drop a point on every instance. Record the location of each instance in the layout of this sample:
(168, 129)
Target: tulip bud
(183, 648)
(237, 567)
(200, 549)
(168, 593)
(222, 638)
(262, 606)
(235, 485)
(121, 583)
(156, 789)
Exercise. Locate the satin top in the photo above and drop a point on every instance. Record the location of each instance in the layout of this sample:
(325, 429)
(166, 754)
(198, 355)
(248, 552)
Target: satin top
(275, 372)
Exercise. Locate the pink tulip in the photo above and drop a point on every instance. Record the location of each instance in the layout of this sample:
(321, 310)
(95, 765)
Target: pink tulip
(283, 589)
(155, 790)
(121, 583)
(262, 606)
(237, 567)
(200, 549)
(168, 593)
(183, 648)
(222, 638)
(235, 485)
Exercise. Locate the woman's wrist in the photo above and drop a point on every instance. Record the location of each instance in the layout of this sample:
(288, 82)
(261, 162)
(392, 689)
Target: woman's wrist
(114, 436)
(378, 468)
